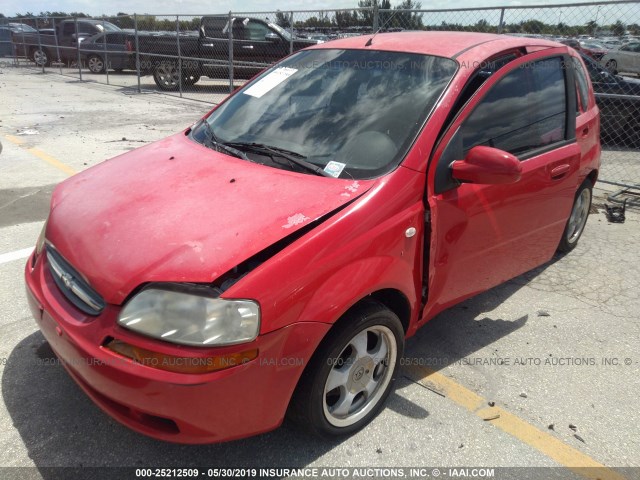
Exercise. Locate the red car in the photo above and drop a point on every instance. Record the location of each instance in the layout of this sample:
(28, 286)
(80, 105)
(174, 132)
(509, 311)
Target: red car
(272, 258)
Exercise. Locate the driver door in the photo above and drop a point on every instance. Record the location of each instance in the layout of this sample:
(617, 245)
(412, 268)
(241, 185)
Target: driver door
(483, 235)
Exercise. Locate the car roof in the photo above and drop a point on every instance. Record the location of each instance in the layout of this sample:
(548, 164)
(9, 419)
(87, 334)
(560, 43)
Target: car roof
(442, 44)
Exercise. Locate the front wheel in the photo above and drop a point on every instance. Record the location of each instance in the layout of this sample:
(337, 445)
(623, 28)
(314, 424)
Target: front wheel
(41, 57)
(612, 66)
(578, 218)
(351, 374)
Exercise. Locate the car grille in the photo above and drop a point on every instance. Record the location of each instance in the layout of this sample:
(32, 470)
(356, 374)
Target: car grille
(72, 285)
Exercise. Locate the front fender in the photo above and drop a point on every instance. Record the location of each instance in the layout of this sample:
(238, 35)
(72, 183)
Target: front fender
(357, 280)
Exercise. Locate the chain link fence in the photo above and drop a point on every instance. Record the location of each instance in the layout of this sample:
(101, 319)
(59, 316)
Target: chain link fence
(204, 57)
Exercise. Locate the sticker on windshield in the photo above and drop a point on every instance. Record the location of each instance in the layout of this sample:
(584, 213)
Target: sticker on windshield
(334, 168)
(266, 84)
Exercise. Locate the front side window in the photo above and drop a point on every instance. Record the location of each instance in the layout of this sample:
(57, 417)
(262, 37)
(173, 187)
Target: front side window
(524, 111)
(255, 31)
(359, 110)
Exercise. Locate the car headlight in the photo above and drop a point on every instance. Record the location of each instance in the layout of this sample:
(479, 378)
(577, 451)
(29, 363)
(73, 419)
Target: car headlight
(191, 316)
(41, 239)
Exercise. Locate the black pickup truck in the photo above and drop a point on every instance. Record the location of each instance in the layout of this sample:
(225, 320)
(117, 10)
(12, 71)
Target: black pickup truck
(256, 44)
(60, 43)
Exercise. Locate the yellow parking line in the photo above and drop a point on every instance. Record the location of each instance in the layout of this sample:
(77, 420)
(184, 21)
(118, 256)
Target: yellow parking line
(507, 422)
(42, 155)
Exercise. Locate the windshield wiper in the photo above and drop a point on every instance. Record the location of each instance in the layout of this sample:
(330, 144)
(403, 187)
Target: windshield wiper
(213, 141)
(293, 157)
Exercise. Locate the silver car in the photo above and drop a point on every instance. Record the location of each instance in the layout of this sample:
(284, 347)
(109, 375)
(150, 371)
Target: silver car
(626, 59)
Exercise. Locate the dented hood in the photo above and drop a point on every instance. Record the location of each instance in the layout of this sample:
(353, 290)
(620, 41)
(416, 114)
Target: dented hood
(177, 211)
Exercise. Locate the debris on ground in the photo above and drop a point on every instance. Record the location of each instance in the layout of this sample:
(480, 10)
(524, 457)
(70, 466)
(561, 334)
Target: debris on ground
(615, 214)
(578, 437)
(523, 395)
(492, 417)
(573, 427)
(543, 313)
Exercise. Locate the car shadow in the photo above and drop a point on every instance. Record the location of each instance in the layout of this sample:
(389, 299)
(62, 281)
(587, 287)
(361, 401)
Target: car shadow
(457, 333)
(61, 427)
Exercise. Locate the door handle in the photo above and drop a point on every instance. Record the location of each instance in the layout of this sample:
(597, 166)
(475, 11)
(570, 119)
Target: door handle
(560, 170)
(249, 47)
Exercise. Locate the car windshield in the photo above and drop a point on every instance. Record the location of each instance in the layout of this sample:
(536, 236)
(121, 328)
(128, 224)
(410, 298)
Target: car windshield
(22, 27)
(108, 27)
(353, 113)
(593, 45)
(285, 33)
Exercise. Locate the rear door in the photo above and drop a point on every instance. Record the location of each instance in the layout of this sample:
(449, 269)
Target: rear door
(483, 235)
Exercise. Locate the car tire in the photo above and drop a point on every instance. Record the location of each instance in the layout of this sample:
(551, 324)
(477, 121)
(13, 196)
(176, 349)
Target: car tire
(577, 218)
(351, 373)
(95, 64)
(166, 76)
(190, 79)
(612, 66)
(41, 57)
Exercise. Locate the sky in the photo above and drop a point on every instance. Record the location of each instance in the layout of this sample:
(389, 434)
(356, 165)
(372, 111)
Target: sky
(604, 15)
(158, 7)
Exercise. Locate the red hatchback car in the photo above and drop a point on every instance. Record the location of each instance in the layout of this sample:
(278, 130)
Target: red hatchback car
(273, 258)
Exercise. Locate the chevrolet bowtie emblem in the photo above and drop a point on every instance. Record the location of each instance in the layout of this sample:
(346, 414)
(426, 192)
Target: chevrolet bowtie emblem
(67, 280)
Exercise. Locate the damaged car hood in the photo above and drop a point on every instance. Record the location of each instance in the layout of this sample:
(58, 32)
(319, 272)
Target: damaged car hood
(177, 211)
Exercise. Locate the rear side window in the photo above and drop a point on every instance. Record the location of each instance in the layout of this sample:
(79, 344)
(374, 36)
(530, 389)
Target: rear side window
(524, 111)
(581, 81)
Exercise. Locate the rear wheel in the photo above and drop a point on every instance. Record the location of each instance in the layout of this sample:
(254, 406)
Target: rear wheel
(95, 64)
(578, 218)
(351, 374)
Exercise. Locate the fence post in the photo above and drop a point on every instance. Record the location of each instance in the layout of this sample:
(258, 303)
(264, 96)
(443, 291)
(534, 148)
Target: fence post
(40, 45)
(501, 20)
(75, 21)
(55, 38)
(25, 50)
(106, 55)
(291, 32)
(376, 19)
(135, 26)
(179, 54)
(230, 35)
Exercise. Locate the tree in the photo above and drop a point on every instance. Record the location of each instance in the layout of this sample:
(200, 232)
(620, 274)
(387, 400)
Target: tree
(533, 26)
(408, 20)
(592, 26)
(618, 29)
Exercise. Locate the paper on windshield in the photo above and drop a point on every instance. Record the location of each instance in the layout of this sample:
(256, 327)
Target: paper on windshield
(268, 83)
(334, 168)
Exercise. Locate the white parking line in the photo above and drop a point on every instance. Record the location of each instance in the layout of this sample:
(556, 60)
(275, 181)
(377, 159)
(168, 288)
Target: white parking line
(16, 255)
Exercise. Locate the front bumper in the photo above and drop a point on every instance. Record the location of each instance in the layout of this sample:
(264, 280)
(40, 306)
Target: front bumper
(186, 408)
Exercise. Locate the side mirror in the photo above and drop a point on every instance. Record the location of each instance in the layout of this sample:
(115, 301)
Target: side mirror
(487, 165)
(272, 37)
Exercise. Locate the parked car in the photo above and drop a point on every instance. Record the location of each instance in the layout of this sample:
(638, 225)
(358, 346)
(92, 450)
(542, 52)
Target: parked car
(256, 44)
(588, 47)
(6, 46)
(63, 43)
(618, 99)
(118, 53)
(593, 49)
(272, 258)
(626, 59)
